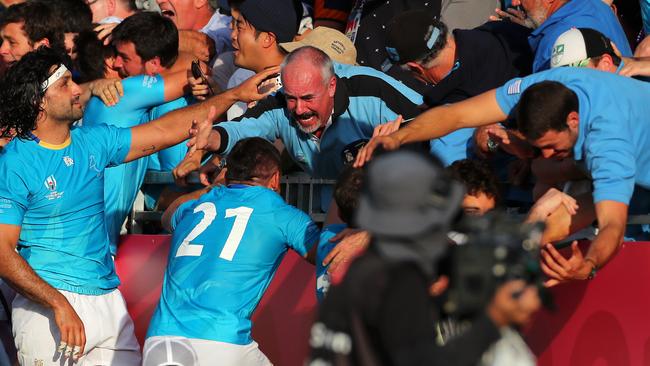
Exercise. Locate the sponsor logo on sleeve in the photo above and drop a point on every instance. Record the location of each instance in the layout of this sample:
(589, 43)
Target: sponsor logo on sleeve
(148, 81)
(515, 87)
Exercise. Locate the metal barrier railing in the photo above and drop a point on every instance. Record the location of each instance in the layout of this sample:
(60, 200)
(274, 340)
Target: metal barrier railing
(297, 189)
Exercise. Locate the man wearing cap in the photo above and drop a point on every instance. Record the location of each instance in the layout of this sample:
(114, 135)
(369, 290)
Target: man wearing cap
(457, 65)
(585, 47)
(382, 312)
(554, 17)
(567, 113)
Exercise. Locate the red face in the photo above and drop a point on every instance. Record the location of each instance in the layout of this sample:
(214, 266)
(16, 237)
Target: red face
(181, 12)
(557, 144)
(127, 62)
(310, 99)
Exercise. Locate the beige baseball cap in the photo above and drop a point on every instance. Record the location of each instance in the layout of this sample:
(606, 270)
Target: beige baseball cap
(334, 43)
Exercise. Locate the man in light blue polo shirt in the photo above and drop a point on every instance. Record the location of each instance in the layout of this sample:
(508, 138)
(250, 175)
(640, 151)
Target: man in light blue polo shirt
(565, 112)
(553, 18)
(322, 118)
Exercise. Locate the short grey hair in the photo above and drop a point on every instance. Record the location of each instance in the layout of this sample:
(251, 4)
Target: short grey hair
(316, 57)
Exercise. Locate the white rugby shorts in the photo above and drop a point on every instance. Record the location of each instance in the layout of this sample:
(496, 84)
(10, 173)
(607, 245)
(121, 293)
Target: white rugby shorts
(180, 351)
(109, 331)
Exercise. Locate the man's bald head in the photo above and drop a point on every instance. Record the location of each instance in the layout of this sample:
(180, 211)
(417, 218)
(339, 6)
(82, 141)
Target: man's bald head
(309, 87)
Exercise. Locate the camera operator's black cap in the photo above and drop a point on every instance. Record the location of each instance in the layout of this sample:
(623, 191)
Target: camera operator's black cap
(407, 195)
(411, 35)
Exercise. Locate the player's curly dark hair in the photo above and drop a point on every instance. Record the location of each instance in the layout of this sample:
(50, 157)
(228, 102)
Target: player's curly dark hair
(477, 177)
(21, 95)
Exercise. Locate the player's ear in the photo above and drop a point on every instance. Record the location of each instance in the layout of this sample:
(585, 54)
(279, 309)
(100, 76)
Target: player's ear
(274, 181)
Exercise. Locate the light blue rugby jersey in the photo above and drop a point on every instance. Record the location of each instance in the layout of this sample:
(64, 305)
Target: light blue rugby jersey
(167, 159)
(122, 183)
(614, 132)
(56, 194)
(225, 250)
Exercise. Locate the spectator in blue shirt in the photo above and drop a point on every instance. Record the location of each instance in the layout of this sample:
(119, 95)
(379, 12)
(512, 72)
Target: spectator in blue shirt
(564, 112)
(552, 18)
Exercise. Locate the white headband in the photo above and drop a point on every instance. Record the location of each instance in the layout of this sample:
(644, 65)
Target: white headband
(54, 77)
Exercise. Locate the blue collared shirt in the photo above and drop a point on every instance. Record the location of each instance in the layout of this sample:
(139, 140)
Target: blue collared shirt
(614, 130)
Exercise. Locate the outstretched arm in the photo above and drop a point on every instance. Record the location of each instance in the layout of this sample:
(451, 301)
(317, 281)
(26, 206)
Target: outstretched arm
(173, 127)
(477, 111)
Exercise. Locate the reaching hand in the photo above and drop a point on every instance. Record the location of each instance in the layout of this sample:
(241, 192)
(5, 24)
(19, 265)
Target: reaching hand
(73, 334)
(514, 15)
(560, 269)
(551, 201)
(248, 90)
(387, 128)
(191, 162)
(208, 170)
(352, 242)
(632, 67)
(200, 89)
(104, 32)
(108, 90)
(389, 142)
(643, 48)
(200, 132)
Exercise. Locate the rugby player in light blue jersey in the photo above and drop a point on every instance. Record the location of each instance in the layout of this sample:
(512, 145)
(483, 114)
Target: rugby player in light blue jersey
(599, 119)
(226, 246)
(54, 247)
(147, 55)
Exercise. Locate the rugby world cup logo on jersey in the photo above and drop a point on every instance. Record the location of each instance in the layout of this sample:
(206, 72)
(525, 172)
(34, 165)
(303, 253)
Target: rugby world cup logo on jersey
(50, 184)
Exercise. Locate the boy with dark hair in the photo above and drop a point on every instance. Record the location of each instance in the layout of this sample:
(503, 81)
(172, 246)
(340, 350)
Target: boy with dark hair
(346, 195)
(27, 26)
(481, 186)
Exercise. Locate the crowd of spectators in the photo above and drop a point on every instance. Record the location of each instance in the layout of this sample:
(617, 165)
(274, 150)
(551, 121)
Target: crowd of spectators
(532, 108)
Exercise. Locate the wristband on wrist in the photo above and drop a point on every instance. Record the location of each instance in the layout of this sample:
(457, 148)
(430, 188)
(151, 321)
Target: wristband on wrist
(594, 268)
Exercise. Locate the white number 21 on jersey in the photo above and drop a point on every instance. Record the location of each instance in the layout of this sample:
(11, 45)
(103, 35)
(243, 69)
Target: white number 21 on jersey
(241, 214)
